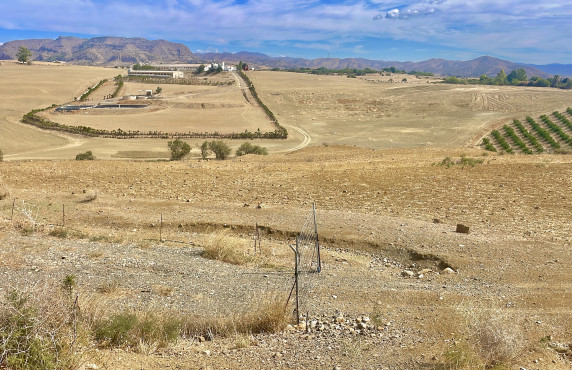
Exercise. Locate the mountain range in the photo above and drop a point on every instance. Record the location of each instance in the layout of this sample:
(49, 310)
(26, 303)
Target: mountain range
(100, 50)
(112, 51)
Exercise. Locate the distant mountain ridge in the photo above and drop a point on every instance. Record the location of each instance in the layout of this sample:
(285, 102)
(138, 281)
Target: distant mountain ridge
(100, 50)
(471, 68)
(111, 51)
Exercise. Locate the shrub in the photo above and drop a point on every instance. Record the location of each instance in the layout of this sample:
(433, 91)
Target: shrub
(135, 331)
(87, 156)
(179, 149)
(218, 147)
(248, 148)
(1, 155)
(38, 329)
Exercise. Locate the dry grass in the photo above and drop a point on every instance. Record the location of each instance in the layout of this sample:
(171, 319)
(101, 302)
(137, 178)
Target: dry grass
(41, 328)
(221, 246)
(269, 315)
(494, 339)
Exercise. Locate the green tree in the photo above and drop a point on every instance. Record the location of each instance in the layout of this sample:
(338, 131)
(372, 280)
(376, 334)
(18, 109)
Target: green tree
(555, 82)
(179, 149)
(541, 82)
(24, 54)
(87, 156)
(248, 148)
(159, 89)
(501, 78)
(517, 74)
(201, 68)
(220, 149)
(205, 150)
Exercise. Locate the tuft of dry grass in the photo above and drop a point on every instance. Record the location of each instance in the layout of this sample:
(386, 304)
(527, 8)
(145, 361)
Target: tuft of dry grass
(109, 287)
(494, 339)
(221, 246)
(269, 315)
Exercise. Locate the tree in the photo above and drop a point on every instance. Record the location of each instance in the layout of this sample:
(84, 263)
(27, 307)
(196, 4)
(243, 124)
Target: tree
(201, 68)
(220, 149)
(248, 148)
(24, 54)
(159, 89)
(501, 78)
(205, 150)
(555, 81)
(518, 75)
(87, 156)
(179, 149)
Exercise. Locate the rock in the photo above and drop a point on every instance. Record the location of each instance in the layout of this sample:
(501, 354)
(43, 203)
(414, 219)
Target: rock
(424, 272)
(559, 347)
(436, 221)
(207, 352)
(448, 270)
(462, 229)
(407, 273)
(201, 339)
(362, 325)
(289, 328)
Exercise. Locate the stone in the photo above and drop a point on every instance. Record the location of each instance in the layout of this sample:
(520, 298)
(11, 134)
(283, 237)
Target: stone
(207, 352)
(407, 273)
(201, 339)
(448, 270)
(424, 272)
(462, 229)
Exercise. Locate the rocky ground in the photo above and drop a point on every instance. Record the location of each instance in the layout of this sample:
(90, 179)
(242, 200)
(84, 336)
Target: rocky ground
(399, 286)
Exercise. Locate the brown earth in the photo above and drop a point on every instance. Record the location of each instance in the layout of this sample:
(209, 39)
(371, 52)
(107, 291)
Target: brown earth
(380, 212)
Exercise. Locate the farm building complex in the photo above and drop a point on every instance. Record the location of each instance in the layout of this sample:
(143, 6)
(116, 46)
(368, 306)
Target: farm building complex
(148, 73)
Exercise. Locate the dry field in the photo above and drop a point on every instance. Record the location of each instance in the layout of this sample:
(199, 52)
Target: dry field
(179, 108)
(375, 113)
(387, 218)
(377, 214)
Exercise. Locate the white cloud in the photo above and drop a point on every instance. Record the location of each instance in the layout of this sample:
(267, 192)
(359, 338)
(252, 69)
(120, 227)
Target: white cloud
(481, 25)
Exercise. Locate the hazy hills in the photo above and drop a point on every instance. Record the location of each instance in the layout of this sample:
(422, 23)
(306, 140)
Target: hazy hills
(111, 51)
(100, 50)
(471, 68)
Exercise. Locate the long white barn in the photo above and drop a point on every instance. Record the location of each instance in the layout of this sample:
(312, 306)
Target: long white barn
(163, 74)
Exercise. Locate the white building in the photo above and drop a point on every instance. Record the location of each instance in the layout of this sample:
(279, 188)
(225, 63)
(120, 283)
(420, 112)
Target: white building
(161, 74)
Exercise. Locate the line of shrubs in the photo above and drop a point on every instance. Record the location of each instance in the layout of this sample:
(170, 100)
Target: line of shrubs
(32, 118)
(280, 132)
(91, 89)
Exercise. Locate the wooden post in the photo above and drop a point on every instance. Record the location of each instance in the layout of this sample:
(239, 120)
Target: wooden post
(13, 204)
(317, 241)
(296, 281)
(63, 215)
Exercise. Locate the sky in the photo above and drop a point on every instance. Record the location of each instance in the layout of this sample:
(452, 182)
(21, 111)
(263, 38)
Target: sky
(524, 31)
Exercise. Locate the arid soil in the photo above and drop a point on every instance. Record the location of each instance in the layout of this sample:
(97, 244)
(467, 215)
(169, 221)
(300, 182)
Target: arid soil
(387, 221)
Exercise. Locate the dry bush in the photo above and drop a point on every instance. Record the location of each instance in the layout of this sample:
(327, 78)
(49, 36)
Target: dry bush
(40, 328)
(494, 339)
(109, 287)
(221, 246)
(269, 315)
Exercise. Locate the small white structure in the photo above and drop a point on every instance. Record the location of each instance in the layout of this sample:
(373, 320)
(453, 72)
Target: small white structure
(161, 74)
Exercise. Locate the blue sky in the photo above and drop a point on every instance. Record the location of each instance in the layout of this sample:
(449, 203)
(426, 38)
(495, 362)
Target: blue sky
(518, 30)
